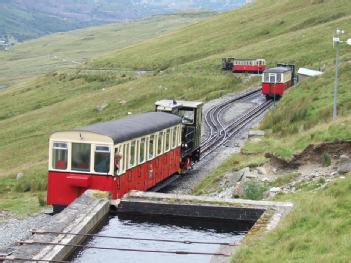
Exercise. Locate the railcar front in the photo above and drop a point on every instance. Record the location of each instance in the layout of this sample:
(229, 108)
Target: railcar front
(134, 153)
(275, 81)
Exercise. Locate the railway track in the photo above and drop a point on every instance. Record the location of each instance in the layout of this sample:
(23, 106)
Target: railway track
(220, 131)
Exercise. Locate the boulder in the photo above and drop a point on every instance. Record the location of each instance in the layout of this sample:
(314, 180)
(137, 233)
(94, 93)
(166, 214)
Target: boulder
(273, 191)
(344, 166)
(101, 108)
(19, 176)
(239, 189)
(256, 133)
(261, 170)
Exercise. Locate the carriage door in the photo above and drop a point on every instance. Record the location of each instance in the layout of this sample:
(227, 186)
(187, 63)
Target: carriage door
(273, 82)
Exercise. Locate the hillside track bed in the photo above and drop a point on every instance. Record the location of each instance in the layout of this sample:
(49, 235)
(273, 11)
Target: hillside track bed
(225, 127)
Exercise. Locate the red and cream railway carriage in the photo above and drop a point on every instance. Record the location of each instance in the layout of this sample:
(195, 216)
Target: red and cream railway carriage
(252, 66)
(133, 153)
(275, 81)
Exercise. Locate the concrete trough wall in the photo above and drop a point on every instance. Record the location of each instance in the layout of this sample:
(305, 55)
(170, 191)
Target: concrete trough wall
(205, 211)
(263, 216)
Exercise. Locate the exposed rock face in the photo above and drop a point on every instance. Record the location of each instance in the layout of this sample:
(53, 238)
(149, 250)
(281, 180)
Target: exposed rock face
(344, 164)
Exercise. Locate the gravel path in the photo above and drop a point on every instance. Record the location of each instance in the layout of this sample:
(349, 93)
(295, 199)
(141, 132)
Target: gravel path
(17, 229)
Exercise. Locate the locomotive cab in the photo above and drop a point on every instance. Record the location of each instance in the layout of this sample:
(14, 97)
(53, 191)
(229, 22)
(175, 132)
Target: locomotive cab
(191, 114)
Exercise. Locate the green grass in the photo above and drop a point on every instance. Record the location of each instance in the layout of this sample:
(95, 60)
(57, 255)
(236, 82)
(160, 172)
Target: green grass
(284, 179)
(317, 230)
(22, 205)
(233, 163)
(187, 66)
(57, 51)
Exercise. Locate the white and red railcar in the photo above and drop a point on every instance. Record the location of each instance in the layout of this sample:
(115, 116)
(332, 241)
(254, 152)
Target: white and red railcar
(252, 66)
(151, 146)
(275, 81)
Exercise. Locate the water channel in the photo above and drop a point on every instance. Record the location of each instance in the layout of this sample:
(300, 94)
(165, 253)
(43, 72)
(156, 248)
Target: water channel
(159, 228)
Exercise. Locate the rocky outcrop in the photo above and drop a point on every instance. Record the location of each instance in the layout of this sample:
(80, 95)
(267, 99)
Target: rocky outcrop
(344, 166)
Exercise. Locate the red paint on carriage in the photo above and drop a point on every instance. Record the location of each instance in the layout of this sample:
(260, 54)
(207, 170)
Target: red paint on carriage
(256, 69)
(272, 88)
(65, 187)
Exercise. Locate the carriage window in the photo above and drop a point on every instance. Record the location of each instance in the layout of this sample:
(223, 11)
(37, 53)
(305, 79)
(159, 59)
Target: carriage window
(167, 140)
(272, 78)
(119, 169)
(151, 147)
(102, 159)
(279, 77)
(59, 156)
(126, 154)
(132, 154)
(81, 157)
(159, 143)
(266, 77)
(174, 138)
(187, 116)
(142, 150)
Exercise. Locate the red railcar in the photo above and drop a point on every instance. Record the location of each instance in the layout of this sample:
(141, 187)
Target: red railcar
(133, 153)
(252, 66)
(82, 159)
(275, 81)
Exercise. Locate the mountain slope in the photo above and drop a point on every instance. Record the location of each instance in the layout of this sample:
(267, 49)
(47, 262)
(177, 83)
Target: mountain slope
(70, 49)
(26, 19)
(187, 66)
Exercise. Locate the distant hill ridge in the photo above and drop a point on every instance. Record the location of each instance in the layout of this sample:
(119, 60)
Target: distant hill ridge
(25, 19)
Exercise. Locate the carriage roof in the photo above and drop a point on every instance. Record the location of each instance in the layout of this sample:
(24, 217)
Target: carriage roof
(133, 126)
(277, 70)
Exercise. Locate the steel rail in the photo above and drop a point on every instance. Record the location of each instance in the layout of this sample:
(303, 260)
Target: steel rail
(233, 128)
(179, 252)
(39, 232)
(13, 258)
(238, 124)
(211, 116)
(212, 119)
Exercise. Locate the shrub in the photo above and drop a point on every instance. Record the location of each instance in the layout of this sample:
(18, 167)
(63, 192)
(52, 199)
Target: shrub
(254, 190)
(33, 182)
(41, 199)
(326, 159)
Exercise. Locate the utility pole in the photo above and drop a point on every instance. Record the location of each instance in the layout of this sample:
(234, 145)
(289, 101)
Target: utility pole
(336, 41)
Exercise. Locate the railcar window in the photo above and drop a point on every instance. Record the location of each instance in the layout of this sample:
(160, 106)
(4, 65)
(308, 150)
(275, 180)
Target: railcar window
(279, 78)
(59, 156)
(151, 153)
(168, 140)
(81, 157)
(272, 78)
(102, 159)
(187, 116)
(119, 150)
(159, 143)
(266, 77)
(142, 150)
(174, 138)
(132, 154)
(126, 155)
(179, 135)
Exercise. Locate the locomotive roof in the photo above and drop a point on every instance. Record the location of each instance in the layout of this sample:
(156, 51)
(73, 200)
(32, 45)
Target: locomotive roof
(277, 70)
(179, 103)
(133, 126)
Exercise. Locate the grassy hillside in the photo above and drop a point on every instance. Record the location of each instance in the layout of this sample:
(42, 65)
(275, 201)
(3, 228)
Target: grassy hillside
(62, 50)
(317, 230)
(187, 66)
